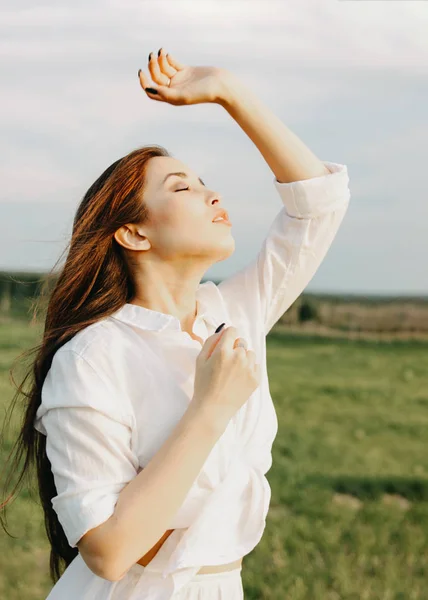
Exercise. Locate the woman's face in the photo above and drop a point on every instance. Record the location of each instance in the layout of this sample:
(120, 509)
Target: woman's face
(181, 211)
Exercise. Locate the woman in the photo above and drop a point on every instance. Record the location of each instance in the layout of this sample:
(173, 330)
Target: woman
(150, 429)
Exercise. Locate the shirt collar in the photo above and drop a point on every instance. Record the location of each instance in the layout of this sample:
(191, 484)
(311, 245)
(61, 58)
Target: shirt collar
(152, 320)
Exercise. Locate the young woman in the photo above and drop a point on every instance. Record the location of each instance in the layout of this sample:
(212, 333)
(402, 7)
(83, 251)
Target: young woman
(150, 428)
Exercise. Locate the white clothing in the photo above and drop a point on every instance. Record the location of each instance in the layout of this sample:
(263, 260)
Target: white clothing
(117, 389)
(226, 585)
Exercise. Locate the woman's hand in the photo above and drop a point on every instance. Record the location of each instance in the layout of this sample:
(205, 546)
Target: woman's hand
(180, 84)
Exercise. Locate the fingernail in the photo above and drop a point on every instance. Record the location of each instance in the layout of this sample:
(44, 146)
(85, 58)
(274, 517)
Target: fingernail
(220, 327)
(139, 71)
(150, 56)
(151, 90)
(159, 51)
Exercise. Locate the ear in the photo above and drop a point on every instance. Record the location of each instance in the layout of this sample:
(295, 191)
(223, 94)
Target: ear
(132, 237)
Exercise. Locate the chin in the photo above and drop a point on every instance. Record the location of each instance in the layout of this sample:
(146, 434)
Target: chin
(227, 250)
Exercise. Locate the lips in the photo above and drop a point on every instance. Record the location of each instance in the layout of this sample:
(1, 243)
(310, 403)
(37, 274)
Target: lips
(223, 214)
(224, 222)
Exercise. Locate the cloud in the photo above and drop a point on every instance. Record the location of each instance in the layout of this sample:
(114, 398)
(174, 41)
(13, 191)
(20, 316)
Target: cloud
(347, 77)
(356, 33)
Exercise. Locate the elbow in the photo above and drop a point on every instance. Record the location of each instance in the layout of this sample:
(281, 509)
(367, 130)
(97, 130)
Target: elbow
(110, 573)
(100, 554)
(105, 552)
(112, 570)
(102, 567)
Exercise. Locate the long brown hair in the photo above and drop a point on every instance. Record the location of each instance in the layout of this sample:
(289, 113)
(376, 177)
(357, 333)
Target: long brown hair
(94, 282)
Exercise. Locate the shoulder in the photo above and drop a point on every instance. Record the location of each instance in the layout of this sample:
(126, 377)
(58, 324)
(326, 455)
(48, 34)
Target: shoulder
(85, 372)
(102, 345)
(93, 337)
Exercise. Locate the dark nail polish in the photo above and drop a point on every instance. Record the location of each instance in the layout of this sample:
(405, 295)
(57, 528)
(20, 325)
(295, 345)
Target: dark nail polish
(150, 56)
(220, 327)
(159, 51)
(139, 71)
(151, 90)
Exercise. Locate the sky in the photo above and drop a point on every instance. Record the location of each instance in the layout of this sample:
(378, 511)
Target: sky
(349, 77)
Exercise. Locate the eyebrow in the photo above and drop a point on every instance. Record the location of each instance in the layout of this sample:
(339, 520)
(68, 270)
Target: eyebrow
(180, 174)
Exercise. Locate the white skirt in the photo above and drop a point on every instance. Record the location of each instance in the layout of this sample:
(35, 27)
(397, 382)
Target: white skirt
(79, 582)
(226, 585)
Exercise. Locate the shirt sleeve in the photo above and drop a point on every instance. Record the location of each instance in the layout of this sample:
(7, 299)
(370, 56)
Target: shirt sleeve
(296, 244)
(88, 443)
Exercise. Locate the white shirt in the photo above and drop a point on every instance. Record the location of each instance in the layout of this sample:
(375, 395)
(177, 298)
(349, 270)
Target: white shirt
(117, 389)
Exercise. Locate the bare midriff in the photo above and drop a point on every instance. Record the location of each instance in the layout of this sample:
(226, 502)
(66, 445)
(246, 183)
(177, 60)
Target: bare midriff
(144, 560)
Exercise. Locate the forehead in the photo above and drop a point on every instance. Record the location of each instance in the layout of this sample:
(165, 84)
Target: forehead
(158, 168)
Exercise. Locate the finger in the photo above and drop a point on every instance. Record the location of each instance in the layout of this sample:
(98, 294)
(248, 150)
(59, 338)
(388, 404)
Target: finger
(155, 71)
(240, 351)
(257, 372)
(165, 67)
(172, 95)
(251, 360)
(241, 343)
(217, 339)
(227, 337)
(144, 82)
(156, 95)
(174, 63)
(213, 347)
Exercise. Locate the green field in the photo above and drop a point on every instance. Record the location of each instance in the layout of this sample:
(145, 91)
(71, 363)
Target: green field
(349, 510)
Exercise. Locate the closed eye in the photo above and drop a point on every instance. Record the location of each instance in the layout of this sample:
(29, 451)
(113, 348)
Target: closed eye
(183, 189)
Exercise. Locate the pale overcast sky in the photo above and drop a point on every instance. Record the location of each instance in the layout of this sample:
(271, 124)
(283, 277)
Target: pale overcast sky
(348, 77)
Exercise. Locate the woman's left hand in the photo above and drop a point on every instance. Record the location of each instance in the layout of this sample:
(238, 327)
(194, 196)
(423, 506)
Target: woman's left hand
(178, 84)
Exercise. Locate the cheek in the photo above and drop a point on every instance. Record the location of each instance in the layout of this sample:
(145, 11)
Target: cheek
(182, 216)
(166, 223)
(180, 229)
(180, 223)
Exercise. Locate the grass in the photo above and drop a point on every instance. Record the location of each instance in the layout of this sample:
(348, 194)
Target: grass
(349, 511)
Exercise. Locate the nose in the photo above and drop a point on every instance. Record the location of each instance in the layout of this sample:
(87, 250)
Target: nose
(216, 199)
